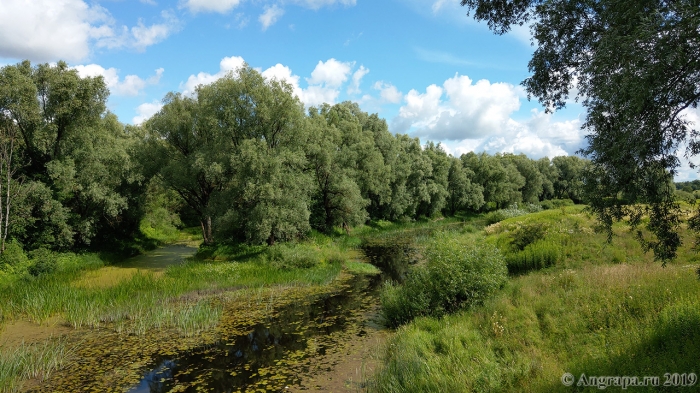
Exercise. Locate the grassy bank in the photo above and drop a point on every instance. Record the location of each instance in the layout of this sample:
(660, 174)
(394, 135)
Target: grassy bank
(598, 309)
(184, 299)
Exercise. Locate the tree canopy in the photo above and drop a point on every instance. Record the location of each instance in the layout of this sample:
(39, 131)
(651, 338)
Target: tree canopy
(635, 67)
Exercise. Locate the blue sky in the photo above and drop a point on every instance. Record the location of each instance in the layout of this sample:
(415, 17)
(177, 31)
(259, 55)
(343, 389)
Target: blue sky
(423, 65)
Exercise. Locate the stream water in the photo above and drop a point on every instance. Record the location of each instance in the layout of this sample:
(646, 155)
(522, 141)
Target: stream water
(292, 342)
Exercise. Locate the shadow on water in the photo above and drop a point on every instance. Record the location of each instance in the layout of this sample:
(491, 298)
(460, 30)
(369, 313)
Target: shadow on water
(288, 344)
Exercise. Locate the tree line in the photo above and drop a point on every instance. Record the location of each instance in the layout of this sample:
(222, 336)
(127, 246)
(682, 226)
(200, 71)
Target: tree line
(241, 158)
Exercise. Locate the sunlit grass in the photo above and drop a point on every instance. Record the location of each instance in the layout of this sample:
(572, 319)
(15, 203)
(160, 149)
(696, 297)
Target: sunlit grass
(30, 361)
(602, 309)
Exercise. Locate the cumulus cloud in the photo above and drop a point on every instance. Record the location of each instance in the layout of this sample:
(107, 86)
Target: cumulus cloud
(220, 6)
(44, 30)
(131, 85)
(270, 16)
(145, 36)
(323, 86)
(145, 111)
(227, 64)
(48, 30)
(388, 92)
(332, 73)
(468, 115)
(471, 110)
(356, 79)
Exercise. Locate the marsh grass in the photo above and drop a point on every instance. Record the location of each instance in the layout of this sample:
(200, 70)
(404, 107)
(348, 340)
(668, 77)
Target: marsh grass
(601, 309)
(31, 361)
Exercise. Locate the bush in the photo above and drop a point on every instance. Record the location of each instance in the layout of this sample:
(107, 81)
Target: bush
(526, 234)
(547, 205)
(43, 261)
(512, 211)
(288, 256)
(534, 256)
(456, 276)
(13, 260)
(562, 202)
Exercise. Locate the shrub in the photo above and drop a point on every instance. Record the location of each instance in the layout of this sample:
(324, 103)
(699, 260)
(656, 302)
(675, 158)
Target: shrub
(43, 261)
(13, 260)
(289, 256)
(547, 205)
(562, 202)
(512, 211)
(534, 256)
(455, 276)
(526, 234)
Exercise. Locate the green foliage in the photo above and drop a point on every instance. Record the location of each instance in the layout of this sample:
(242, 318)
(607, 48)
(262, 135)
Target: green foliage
(636, 105)
(535, 256)
(597, 319)
(526, 234)
(512, 211)
(43, 261)
(456, 276)
(13, 259)
(292, 256)
(81, 184)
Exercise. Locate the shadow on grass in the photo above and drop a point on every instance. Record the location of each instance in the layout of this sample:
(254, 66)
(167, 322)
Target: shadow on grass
(671, 347)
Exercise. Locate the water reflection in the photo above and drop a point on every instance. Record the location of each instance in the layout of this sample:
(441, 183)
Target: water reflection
(274, 353)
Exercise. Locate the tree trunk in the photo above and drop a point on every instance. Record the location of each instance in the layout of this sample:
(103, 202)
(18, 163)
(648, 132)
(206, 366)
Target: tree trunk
(206, 230)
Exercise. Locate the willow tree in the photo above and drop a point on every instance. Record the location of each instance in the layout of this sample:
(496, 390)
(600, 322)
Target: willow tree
(635, 66)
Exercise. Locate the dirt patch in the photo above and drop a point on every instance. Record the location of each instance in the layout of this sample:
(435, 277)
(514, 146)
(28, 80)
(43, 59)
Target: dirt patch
(155, 262)
(352, 364)
(16, 333)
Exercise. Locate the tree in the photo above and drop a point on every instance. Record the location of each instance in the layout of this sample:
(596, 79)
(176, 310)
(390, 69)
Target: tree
(636, 69)
(338, 199)
(462, 193)
(499, 178)
(9, 185)
(72, 153)
(533, 178)
(569, 182)
(185, 153)
(549, 176)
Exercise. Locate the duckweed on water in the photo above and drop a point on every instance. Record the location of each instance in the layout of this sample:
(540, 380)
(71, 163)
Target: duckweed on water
(279, 342)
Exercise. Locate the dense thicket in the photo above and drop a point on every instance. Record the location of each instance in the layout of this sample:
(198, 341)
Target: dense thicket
(240, 157)
(69, 178)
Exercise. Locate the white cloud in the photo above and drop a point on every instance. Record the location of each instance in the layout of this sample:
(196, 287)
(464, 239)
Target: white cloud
(49, 30)
(130, 86)
(471, 110)
(220, 6)
(332, 73)
(145, 36)
(284, 73)
(227, 64)
(145, 111)
(356, 79)
(44, 30)
(388, 92)
(324, 85)
(270, 16)
(468, 116)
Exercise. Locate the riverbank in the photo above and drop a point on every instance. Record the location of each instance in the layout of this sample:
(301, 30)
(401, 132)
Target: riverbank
(146, 304)
(573, 304)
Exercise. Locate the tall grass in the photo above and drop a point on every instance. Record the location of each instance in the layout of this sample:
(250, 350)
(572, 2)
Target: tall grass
(601, 310)
(30, 361)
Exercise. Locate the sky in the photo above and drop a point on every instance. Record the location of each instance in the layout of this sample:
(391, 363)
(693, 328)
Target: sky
(423, 65)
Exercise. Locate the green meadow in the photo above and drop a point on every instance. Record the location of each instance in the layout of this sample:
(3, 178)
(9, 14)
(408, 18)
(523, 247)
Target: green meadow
(572, 303)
